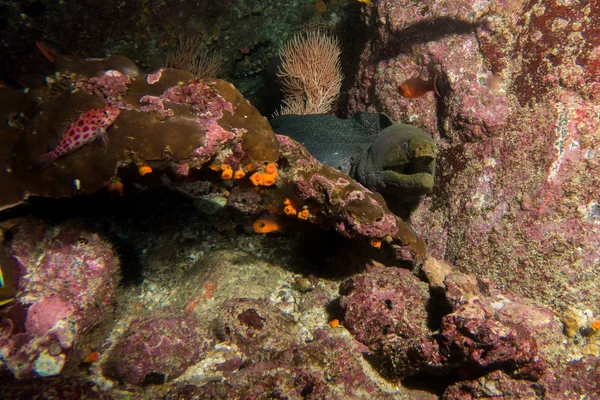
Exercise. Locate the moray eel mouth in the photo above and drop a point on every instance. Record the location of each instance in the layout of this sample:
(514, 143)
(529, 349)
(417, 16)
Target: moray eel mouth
(408, 178)
(420, 165)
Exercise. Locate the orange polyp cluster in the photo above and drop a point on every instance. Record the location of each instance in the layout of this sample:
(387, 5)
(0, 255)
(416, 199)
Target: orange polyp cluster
(227, 171)
(289, 208)
(270, 169)
(376, 243)
(239, 174)
(303, 214)
(256, 178)
(334, 323)
(116, 186)
(596, 325)
(267, 178)
(292, 209)
(144, 169)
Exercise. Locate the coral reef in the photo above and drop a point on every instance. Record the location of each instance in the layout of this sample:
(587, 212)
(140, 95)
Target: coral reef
(507, 309)
(68, 388)
(176, 125)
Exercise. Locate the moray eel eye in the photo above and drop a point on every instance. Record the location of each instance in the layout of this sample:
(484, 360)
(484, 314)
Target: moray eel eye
(405, 146)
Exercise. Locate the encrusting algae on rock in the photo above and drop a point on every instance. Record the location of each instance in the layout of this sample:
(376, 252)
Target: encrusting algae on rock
(180, 126)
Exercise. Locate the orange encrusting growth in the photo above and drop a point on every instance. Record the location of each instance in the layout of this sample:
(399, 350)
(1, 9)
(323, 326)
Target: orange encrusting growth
(266, 178)
(596, 325)
(376, 243)
(239, 174)
(227, 171)
(144, 169)
(334, 323)
(116, 186)
(91, 357)
(191, 306)
(289, 208)
(303, 214)
(209, 288)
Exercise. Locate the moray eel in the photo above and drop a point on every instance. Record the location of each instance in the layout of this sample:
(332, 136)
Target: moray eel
(396, 160)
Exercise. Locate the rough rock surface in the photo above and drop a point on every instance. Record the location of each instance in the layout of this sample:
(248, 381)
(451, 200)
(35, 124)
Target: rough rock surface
(158, 347)
(386, 310)
(476, 330)
(518, 131)
(67, 283)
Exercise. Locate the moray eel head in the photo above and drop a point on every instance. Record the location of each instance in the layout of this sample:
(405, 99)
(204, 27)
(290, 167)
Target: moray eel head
(400, 163)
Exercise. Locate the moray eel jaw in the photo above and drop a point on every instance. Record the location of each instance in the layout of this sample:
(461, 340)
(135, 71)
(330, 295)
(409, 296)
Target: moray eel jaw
(400, 163)
(405, 181)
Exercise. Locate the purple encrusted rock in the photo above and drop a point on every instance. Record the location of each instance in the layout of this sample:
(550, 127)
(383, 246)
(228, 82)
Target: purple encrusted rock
(491, 329)
(326, 368)
(516, 124)
(56, 387)
(256, 326)
(67, 285)
(158, 347)
(575, 380)
(495, 385)
(386, 309)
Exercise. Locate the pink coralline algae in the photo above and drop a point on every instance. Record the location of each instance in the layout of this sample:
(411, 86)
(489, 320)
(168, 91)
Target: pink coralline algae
(257, 326)
(110, 85)
(157, 348)
(575, 379)
(59, 387)
(299, 372)
(490, 329)
(68, 278)
(206, 103)
(386, 310)
(484, 329)
(517, 131)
